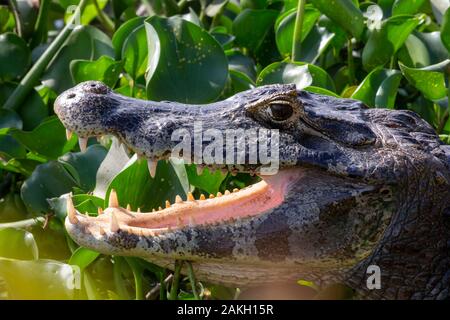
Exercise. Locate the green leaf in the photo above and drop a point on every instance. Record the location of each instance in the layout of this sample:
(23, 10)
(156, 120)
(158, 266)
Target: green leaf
(10, 119)
(186, 64)
(345, 13)
(302, 74)
(445, 30)
(407, 6)
(209, 182)
(383, 43)
(252, 26)
(105, 69)
(13, 47)
(242, 63)
(89, 12)
(18, 244)
(83, 257)
(429, 80)
(48, 180)
(315, 44)
(284, 28)
(84, 165)
(135, 53)
(11, 148)
(86, 43)
(48, 139)
(26, 279)
(124, 31)
(379, 88)
(134, 185)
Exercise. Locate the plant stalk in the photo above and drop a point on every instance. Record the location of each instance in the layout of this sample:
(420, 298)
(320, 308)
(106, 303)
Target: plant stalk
(40, 28)
(104, 19)
(350, 62)
(192, 280)
(32, 77)
(297, 40)
(176, 280)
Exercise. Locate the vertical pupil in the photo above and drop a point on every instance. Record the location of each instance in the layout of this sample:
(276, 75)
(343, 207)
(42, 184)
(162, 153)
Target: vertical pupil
(281, 111)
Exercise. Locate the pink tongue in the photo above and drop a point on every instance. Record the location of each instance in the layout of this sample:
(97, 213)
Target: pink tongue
(253, 200)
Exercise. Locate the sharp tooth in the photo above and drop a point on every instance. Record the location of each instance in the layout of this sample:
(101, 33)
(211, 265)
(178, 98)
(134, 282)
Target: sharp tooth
(69, 134)
(199, 170)
(152, 164)
(211, 196)
(128, 207)
(99, 210)
(153, 210)
(227, 192)
(178, 199)
(138, 210)
(159, 208)
(71, 211)
(202, 197)
(190, 197)
(219, 194)
(235, 190)
(83, 143)
(167, 204)
(114, 224)
(113, 201)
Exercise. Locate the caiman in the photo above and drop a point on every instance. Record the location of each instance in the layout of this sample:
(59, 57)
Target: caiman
(357, 187)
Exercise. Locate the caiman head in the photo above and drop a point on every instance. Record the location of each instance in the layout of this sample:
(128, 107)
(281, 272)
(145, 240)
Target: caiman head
(354, 190)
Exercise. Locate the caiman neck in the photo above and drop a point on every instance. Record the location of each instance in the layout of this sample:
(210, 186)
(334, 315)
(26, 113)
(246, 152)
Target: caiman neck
(414, 254)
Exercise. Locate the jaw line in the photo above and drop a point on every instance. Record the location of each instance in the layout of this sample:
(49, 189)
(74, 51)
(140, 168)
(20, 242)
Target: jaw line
(253, 200)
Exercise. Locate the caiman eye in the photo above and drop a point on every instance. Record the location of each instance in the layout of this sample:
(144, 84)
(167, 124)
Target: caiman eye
(280, 111)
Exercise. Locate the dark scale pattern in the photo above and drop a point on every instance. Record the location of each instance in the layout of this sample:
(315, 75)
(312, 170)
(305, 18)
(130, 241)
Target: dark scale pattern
(334, 222)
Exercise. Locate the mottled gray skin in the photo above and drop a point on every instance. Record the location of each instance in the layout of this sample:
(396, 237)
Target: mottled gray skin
(377, 193)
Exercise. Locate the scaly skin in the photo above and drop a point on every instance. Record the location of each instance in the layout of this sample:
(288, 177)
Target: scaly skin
(356, 187)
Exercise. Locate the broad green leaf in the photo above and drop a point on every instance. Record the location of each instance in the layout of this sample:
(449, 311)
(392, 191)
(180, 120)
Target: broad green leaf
(38, 279)
(18, 244)
(315, 44)
(207, 181)
(445, 30)
(11, 148)
(105, 69)
(123, 33)
(253, 4)
(83, 257)
(134, 185)
(429, 80)
(284, 28)
(303, 75)
(7, 21)
(135, 52)
(345, 13)
(10, 119)
(12, 209)
(15, 57)
(84, 203)
(242, 63)
(322, 91)
(85, 43)
(186, 64)
(407, 6)
(215, 7)
(48, 139)
(237, 82)
(84, 165)
(48, 180)
(32, 112)
(379, 88)
(439, 8)
(252, 26)
(383, 43)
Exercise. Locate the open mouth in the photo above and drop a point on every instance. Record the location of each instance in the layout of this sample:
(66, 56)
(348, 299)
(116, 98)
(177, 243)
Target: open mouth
(228, 207)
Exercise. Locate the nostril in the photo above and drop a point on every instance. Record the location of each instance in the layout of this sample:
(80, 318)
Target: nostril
(93, 85)
(71, 96)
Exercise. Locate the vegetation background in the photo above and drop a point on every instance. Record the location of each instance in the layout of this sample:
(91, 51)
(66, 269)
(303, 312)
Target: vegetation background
(387, 53)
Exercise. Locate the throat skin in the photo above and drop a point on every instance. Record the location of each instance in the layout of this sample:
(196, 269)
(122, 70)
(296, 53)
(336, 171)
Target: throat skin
(414, 254)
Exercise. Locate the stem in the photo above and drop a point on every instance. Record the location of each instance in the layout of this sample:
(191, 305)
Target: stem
(297, 40)
(137, 274)
(40, 28)
(350, 61)
(163, 285)
(446, 115)
(104, 19)
(32, 77)
(176, 280)
(15, 10)
(192, 280)
(23, 223)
